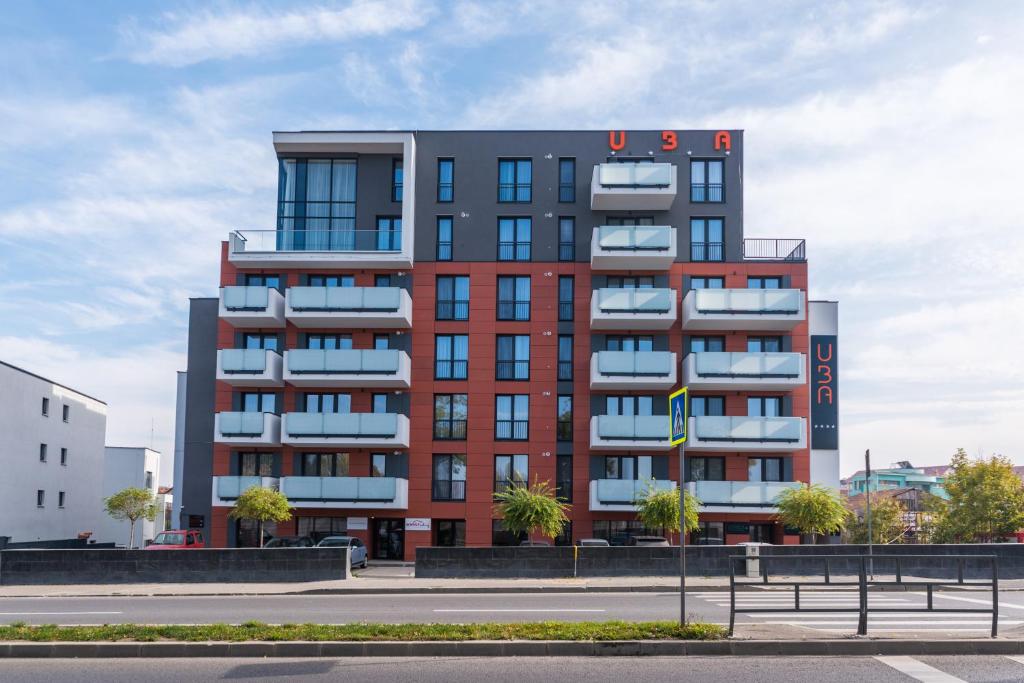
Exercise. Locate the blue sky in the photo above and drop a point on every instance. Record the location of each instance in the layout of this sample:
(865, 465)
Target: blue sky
(135, 136)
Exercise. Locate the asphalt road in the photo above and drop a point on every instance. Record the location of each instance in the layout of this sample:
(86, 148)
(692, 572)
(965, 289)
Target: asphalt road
(523, 670)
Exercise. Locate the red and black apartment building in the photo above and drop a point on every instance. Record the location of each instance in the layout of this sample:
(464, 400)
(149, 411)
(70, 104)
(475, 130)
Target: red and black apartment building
(437, 315)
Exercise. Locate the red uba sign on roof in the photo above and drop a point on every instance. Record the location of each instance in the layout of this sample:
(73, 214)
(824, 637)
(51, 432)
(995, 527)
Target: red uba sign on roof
(669, 140)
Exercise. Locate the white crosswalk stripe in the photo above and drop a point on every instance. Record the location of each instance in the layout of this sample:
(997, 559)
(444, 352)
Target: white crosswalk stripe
(918, 670)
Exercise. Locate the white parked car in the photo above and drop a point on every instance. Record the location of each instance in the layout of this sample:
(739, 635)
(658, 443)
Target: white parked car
(358, 549)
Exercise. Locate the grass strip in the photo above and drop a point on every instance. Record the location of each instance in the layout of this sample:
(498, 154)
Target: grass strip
(257, 631)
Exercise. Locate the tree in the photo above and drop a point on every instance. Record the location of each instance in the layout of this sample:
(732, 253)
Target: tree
(813, 509)
(131, 504)
(986, 501)
(263, 505)
(888, 522)
(659, 509)
(529, 508)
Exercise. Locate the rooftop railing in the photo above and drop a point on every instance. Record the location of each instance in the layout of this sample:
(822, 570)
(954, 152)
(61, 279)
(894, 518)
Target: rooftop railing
(768, 249)
(334, 239)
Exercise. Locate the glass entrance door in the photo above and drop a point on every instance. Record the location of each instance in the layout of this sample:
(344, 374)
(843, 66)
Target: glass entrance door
(389, 539)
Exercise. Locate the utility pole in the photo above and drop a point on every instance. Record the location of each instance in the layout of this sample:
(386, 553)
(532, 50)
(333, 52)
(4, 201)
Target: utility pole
(867, 495)
(682, 536)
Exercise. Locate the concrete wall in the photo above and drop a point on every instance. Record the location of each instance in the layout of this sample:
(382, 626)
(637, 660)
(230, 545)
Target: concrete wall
(193, 491)
(123, 468)
(556, 562)
(235, 565)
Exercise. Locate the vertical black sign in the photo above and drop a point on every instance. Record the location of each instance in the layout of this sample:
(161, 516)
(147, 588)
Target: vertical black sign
(824, 393)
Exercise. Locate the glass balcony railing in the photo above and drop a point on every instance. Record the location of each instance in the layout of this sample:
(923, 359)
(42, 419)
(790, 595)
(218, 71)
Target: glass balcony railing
(241, 423)
(337, 239)
(342, 425)
(635, 363)
(634, 237)
(246, 298)
(632, 427)
(748, 364)
(229, 488)
(635, 174)
(243, 361)
(355, 299)
(611, 300)
(747, 429)
(748, 301)
(626, 491)
(347, 489)
(343, 361)
(739, 492)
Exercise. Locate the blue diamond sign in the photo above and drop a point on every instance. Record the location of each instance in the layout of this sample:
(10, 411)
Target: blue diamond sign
(677, 416)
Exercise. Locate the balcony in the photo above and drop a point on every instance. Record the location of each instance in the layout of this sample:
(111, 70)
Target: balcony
(319, 249)
(249, 367)
(743, 434)
(385, 368)
(633, 186)
(247, 429)
(633, 247)
(376, 493)
(743, 309)
(346, 430)
(629, 370)
(251, 306)
(731, 496)
(747, 371)
(632, 309)
(763, 249)
(619, 495)
(630, 432)
(227, 489)
(349, 307)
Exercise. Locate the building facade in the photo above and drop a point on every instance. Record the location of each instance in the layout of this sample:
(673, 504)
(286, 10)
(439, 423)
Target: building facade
(903, 476)
(51, 451)
(125, 467)
(439, 314)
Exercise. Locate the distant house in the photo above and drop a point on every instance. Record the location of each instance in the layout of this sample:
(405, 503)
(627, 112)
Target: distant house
(903, 476)
(915, 509)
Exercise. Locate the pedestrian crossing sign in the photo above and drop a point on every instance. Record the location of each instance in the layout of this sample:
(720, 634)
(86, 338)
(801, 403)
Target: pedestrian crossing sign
(677, 416)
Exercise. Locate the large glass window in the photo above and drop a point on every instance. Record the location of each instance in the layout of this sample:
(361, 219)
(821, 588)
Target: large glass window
(764, 282)
(514, 238)
(707, 180)
(378, 464)
(764, 344)
(764, 406)
(513, 357)
(261, 280)
(636, 467)
(451, 356)
(512, 417)
(325, 464)
(563, 478)
(565, 343)
(445, 180)
(765, 469)
(329, 207)
(389, 233)
(449, 480)
(702, 344)
(515, 180)
(566, 238)
(331, 281)
(629, 220)
(706, 239)
(701, 406)
(444, 238)
(379, 403)
(319, 528)
(707, 282)
(566, 296)
(259, 340)
(564, 422)
(258, 402)
(334, 402)
(450, 533)
(710, 533)
(450, 412)
(705, 468)
(255, 464)
(513, 297)
(616, 342)
(397, 180)
(618, 531)
(500, 536)
(510, 470)
(629, 405)
(452, 297)
(630, 282)
(566, 180)
(319, 340)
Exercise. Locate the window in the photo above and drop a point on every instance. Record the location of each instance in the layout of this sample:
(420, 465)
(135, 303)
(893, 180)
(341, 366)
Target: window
(707, 282)
(710, 533)
(618, 532)
(328, 341)
(318, 528)
(444, 238)
(703, 344)
(66, 413)
(510, 470)
(450, 411)
(704, 468)
(381, 342)
(566, 180)
(564, 421)
(258, 340)
(764, 406)
(764, 282)
(389, 234)
(445, 180)
(378, 464)
(764, 344)
(566, 295)
(449, 477)
(629, 405)
(630, 282)
(327, 200)
(565, 357)
(514, 235)
(148, 481)
(382, 280)
(566, 238)
(64, 456)
(501, 536)
(515, 180)
(513, 297)
(629, 343)
(397, 177)
(706, 180)
(630, 220)
(706, 239)
(331, 281)
(325, 464)
(765, 469)
(255, 464)
(513, 357)
(701, 406)
(379, 403)
(42, 452)
(451, 533)
(261, 280)
(452, 297)
(46, 407)
(512, 417)
(563, 478)
(40, 498)
(451, 356)
(60, 499)
(635, 467)
(328, 403)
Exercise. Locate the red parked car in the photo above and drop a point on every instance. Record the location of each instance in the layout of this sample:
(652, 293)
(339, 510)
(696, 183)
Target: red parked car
(177, 540)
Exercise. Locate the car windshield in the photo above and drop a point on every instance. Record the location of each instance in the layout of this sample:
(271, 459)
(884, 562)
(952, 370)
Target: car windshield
(169, 539)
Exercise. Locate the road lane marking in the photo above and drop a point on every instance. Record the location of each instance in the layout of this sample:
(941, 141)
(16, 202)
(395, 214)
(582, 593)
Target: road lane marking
(519, 610)
(976, 600)
(1017, 658)
(51, 614)
(918, 670)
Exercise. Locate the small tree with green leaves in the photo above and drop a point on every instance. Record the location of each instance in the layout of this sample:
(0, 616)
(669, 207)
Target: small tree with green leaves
(659, 509)
(525, 509)
(888, 523)
(986, 501)
(262, 505)
(131, 504)
(812, 509)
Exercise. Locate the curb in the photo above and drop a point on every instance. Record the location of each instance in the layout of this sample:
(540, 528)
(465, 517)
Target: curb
(514, 648)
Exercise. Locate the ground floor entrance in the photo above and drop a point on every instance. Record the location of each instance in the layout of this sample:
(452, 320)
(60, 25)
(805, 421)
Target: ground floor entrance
(388, 539)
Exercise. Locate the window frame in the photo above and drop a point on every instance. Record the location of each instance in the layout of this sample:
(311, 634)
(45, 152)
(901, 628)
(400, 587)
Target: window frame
(454, 364)
(707, 188)
(565, 365)
(513, 458)
(566, 307)
(451, 308)
(514, 369)
(707, 250)
(397, 180)
(516, 186)
(454, 494)
(518, 424)
(518, 250)
(517, 305)
(450, 185)
(567, 189)
(455, 425)
(444, 248)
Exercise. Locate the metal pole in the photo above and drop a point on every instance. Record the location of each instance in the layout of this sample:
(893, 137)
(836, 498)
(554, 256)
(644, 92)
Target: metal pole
(867, 493)
(682, 537)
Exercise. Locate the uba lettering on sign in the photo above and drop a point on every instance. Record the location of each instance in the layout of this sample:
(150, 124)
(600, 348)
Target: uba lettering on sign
(669, 140)
(824, 397)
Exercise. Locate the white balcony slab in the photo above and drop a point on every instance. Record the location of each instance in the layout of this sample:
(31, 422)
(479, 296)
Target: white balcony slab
(346, 430)
(741, 434)
(630, 432)
(320, 249)
(247, 429)
(633, 186)
(384, 368)
(366, 493)
(633, 247)
(249, 367)
(751, 371)
(632, 309)
(250, 306)
(629, 370)
(738, 496)
(349, 307)
(743, 309)
(226, 489)
(619, 495)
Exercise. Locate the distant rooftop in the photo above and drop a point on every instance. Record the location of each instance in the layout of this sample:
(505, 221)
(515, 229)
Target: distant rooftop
(50, 381)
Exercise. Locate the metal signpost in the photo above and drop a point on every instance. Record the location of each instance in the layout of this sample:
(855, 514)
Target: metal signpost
(677, 419)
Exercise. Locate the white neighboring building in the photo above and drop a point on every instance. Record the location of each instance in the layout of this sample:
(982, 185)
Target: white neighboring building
(51, 458)
(130, 467)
